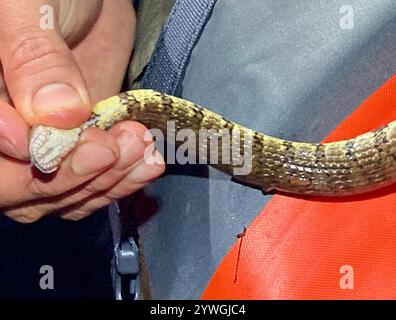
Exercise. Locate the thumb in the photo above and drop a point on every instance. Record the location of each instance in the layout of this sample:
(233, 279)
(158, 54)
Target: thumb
(42, 78)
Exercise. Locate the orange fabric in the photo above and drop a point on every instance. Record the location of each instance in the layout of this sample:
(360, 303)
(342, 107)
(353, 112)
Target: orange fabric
(295, 248)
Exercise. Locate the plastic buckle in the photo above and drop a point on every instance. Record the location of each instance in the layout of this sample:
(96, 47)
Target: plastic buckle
(126, 270)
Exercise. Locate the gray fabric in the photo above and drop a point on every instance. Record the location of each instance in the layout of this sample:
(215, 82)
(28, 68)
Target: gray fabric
(175, 44)
(285, 68)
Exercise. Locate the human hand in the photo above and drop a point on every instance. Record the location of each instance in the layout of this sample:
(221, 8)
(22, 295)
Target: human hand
(105, 165)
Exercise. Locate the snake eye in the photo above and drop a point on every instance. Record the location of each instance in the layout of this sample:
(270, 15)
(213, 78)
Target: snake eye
(48, 146)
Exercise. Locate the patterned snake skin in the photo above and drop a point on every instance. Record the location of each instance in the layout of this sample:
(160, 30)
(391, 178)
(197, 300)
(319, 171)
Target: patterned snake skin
(347, 167)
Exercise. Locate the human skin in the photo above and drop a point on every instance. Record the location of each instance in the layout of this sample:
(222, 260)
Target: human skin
(48, 80)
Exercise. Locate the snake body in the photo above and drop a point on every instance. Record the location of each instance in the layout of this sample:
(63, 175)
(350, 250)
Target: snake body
(346, 167)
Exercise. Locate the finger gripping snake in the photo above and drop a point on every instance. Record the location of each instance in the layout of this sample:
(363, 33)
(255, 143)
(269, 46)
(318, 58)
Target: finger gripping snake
(346, 167)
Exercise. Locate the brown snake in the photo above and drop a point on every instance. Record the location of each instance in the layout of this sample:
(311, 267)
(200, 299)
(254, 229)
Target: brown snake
(347, 167)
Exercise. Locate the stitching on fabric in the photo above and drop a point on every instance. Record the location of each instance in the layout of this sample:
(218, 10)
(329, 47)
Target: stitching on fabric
(161, 39)
(189, 44)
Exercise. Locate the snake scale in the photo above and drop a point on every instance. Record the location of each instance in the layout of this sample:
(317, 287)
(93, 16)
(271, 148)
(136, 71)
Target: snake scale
(346, 167)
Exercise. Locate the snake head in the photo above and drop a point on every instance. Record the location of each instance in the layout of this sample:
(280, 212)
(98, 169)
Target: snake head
(48, 146)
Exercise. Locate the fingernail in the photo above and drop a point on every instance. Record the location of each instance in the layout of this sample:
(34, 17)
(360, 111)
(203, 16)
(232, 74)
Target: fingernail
(56, 97)
(90, 158)
(10, 149)
(145, 172)
(131, 149)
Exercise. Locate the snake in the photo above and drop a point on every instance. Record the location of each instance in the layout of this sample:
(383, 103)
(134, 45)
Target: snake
(348, 167)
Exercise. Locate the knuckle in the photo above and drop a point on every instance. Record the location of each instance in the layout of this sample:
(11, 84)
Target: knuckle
(123, 191)
(101, 184)
(104, 181)
(39, 189)
(97, 186)
(29, 47)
